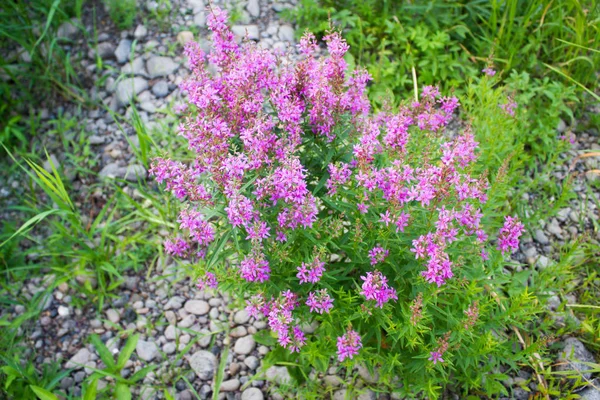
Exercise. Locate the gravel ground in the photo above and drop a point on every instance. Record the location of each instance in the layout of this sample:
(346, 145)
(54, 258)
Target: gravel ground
(170, 314)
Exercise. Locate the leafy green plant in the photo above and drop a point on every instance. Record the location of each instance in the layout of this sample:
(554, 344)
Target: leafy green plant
(122, 12)
(450, 41)
(122, 386)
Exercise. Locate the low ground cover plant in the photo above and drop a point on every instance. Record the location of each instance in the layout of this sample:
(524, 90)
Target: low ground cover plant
(378, 226)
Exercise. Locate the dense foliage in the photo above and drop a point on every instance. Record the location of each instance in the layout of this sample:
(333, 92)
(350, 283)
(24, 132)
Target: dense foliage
(317, 209)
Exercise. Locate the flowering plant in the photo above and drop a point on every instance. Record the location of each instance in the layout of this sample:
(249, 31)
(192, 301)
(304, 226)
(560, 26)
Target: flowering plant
(318, 209)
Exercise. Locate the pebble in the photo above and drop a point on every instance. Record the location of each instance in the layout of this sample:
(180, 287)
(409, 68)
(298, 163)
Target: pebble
(573, 356)
(113, 316)
(79, 359)
(241, 317)
(63, 311)
(146, 350)
(253, 8)
(252, 394)
(251, 362)
(279, 375)
(128, 88)
(286, 33)
(160, 66)
(197, 307)
(160, 89)
(541, 237)
(230, 385)
(244, 345)
(123, 51)
(169, 348)
(203, 363)
(140, 32)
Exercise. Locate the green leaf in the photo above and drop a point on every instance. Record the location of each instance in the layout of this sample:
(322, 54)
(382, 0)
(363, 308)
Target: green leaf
(103, 351)
(127, 350)
(264, 337)
(122, 392)
(42, 393)
(91, 390)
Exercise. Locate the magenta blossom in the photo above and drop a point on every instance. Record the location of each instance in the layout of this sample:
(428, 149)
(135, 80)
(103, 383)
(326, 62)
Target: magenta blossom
(319, 301)
(375, 287)
(209, 280)
(508, 238)
(348, 345)
(311, 273)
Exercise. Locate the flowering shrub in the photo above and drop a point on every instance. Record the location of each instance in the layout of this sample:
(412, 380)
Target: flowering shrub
(315, 208)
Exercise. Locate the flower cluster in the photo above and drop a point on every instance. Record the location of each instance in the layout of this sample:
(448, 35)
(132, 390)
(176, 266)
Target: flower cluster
(311, 273)
(289, 156)
(348, 345)
(508, 238)
(319, 301)
(436, 355)
(375, 287)
(209, 280)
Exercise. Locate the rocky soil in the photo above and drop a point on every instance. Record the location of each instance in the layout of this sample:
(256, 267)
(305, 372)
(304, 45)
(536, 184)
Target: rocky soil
(184, 331)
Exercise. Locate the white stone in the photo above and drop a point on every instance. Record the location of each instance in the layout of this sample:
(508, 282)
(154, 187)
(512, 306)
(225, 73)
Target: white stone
(128, 88)
(79, 359)
(253, 8)
(160, 66)
(203, 363)
(197, 307)
(244, 345)
(147, 351)
(252, 394)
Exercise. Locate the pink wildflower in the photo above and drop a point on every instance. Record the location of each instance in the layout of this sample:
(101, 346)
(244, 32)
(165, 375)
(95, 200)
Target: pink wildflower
(348, 345)
(375, 287)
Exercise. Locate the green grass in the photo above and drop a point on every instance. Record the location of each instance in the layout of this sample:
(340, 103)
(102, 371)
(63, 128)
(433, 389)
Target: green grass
(449, 42)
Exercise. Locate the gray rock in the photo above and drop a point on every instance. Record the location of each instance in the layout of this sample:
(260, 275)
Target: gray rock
(241, 317)
(134, 172)
(230, 385)
(591, 393)
(252, 394)
(123, 51)
(140, 31)
(253, 8)
(561, 126)
(63, 311)
(105, 50)
(279, 375)
(366, 375)
(286, 33)
(160, 89)
(554, 228)
(160, 66)
(111, 170)
(146, 350)
(68, 29)
(169, 348)
(244, 345)
(238, 332)
(113, 316)
(240, 31)
(251, 362)
(197, 307)
(541, 237)
(128, 88)
(134, 68)
(573, 355)
(171, 332)
(79, 359)
(543, 262)
(203, 363)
